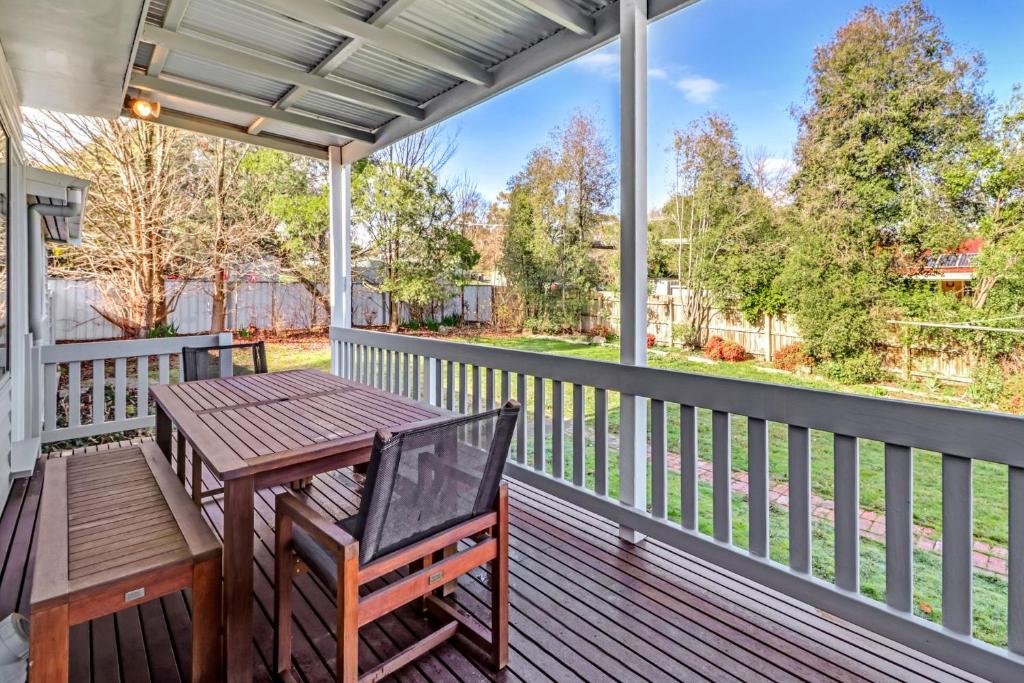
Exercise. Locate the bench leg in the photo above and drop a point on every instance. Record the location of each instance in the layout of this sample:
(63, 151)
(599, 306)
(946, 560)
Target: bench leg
(163, 432)
(206, 631)
(49, 645)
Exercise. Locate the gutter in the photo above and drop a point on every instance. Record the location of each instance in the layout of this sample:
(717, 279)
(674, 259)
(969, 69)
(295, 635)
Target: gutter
(37, 255)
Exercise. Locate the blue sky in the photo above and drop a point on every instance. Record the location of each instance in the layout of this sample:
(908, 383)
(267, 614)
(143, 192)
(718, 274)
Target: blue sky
(748, 59)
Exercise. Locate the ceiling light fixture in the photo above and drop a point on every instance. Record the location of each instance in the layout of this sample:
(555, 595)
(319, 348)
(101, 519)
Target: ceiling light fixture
(144, 109)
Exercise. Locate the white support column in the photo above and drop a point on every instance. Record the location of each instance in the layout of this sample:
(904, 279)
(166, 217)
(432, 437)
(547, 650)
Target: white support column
(633, 251)
(340, 249)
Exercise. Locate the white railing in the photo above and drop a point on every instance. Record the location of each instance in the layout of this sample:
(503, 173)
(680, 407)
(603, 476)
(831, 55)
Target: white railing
(563, 445)
(103, 387)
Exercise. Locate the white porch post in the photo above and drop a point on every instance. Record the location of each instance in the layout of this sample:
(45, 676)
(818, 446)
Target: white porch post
(633, 251)
(340, 251)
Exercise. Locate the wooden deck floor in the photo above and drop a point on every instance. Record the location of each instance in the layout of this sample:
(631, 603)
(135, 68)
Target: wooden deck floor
(585, 607)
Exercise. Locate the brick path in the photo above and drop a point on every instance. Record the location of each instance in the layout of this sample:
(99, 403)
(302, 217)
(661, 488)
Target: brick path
(986, 557)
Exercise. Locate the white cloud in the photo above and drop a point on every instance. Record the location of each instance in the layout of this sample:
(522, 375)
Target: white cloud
(657, 73)
(778, 167)
(604, 63)
(698, 89)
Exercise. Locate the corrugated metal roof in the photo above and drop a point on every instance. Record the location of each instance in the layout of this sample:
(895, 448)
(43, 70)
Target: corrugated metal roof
(332, 107)
(418, 83)
(260, 30)
(225, 78)
(486, 32)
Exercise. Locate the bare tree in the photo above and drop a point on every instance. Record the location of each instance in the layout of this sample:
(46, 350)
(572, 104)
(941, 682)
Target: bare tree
(139, 210)
(235, 225)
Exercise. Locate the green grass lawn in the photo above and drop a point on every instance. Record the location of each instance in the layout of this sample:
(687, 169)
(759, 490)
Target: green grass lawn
(990, 481)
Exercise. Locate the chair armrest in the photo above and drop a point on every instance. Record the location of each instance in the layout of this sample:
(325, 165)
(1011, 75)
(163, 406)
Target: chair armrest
(326, 532)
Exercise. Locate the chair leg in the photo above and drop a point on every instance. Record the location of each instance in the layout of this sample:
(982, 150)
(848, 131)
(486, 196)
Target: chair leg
(283, 575)
(348, 617)
(499, 587)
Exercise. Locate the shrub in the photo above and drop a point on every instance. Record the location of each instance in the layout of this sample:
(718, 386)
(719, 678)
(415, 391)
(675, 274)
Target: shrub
(602, 330)
(732, 352)
(713, 347)
(988, 385)
(729, 351)
(1013, 394)
(651, 340)
(685, 335)
(163, 330)
(791, 357)
(866, 367)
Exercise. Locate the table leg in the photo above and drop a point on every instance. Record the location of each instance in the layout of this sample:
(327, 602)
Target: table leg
(163, 432)
(238, 540)
(206, 631)
(181, 457)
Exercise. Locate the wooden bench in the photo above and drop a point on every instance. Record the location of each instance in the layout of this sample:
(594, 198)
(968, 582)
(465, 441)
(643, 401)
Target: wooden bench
(117, 529)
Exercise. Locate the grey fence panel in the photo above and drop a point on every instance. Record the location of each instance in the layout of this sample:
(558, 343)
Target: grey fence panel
(251, 305)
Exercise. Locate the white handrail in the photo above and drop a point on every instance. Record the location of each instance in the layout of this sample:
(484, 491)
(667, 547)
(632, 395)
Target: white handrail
(67, 360)
(382, 360)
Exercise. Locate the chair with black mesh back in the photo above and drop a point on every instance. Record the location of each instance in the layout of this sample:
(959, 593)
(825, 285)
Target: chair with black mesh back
(433, 502)
(212, 362)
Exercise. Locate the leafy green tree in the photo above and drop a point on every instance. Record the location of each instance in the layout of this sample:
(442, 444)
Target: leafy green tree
(410, 220)
(885, 170)
(728, 253)
(1002, 191)
(294, 191)
(557, 206)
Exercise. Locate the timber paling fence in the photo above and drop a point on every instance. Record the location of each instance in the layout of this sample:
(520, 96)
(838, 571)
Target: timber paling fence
(665, 310)
(262, 305)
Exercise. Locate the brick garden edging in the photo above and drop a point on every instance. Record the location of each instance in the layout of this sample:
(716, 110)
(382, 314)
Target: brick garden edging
(986, 557)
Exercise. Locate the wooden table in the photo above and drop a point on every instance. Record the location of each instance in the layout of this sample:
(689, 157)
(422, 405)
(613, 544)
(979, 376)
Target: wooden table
(257, 431)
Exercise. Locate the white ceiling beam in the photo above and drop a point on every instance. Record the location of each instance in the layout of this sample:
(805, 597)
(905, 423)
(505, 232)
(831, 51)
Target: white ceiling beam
(174, 13)
(319, 13)
(244, 61)
(338, 56)
(562, 13)
(233, 103)
(205, 126)
(548, 54)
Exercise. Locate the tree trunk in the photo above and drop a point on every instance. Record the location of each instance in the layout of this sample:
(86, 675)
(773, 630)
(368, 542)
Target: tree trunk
(393, 314)
(220, 295)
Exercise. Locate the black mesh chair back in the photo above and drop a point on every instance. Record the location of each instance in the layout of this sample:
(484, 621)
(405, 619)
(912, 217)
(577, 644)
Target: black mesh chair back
(425, 480)
(205, 362)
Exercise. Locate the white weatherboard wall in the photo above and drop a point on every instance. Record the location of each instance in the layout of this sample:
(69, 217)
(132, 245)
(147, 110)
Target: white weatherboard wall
(18, 447)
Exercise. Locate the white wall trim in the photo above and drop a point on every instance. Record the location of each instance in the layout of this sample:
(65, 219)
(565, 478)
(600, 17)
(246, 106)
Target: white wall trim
(10, 103)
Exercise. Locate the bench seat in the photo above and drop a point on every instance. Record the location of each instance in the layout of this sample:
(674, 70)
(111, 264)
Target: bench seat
(117, 529)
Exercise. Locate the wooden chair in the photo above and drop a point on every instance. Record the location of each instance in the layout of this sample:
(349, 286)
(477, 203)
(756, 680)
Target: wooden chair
(427, 490)
(205, 362)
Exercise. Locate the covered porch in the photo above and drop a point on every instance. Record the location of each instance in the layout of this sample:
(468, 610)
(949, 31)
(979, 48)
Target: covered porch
(585, 605)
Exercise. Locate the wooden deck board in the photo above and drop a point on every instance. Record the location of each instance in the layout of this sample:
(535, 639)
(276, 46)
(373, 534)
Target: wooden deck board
(585, 606)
